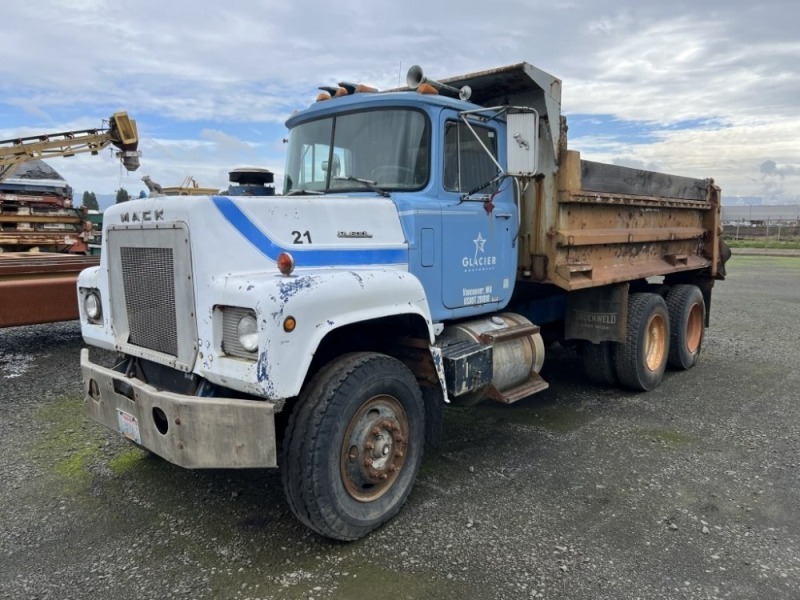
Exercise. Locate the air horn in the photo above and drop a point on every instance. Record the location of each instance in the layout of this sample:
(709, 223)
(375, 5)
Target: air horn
(415, 78)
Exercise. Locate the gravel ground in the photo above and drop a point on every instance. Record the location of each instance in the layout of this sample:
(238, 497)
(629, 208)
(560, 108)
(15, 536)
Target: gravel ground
(689, 491)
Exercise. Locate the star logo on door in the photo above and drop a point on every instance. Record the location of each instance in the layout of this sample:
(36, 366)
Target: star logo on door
(479, 244)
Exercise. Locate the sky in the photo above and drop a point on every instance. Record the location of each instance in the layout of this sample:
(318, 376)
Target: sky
(700, 89)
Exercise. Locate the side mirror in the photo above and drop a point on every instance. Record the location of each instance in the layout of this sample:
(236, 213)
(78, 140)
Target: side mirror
(522, 143)
(336, 167)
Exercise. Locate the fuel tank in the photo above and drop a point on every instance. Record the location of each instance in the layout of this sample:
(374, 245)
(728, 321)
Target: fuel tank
(514, 343)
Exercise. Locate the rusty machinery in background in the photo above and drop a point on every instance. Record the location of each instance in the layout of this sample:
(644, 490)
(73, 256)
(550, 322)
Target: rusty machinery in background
(120, 133)
(43, 237)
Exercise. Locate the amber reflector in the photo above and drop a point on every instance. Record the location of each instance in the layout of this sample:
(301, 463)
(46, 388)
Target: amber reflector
(426, 88)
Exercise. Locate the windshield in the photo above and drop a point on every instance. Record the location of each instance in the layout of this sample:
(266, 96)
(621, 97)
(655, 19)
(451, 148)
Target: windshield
(388, 147)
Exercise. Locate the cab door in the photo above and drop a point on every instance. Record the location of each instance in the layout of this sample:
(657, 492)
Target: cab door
(479, 257)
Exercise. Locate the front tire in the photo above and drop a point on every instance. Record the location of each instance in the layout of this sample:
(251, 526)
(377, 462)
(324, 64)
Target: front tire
(353, 445)
(640, 361)
(687, 318)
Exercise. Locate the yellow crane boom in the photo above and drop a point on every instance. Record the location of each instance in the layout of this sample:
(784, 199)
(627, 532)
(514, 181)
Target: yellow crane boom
(120, 133)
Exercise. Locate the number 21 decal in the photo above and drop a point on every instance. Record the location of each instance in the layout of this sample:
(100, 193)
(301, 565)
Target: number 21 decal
(298, 237)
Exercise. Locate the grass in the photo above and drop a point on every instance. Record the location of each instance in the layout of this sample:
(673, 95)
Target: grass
(64, 445)
(127, 460)
(772, 244)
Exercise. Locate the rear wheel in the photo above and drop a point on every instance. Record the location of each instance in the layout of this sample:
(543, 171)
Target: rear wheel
(353, 445)
(687, 319)
(641, 360)
(598, 362)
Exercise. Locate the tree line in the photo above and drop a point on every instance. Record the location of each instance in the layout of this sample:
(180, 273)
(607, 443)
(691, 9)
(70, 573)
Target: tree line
(89, 199)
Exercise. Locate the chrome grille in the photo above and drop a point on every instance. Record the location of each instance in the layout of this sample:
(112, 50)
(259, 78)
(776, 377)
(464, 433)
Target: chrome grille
(151, 289)
(149, 282)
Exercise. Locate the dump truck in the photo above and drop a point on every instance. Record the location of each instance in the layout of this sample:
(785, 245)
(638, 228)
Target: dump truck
(428, 244)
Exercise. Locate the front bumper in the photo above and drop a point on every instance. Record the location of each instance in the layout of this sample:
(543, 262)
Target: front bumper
(189, 431)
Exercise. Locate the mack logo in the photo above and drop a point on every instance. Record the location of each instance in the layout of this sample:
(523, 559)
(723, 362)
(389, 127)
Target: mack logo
(142, 216)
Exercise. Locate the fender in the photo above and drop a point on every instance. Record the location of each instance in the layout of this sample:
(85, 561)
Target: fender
(319, 301)
(99, 334)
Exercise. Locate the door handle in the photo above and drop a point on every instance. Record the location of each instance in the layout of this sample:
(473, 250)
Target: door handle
(503, 215)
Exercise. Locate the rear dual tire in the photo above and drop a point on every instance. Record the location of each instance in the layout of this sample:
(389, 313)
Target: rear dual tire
(641, 360)
(687, 318)
(598, 362)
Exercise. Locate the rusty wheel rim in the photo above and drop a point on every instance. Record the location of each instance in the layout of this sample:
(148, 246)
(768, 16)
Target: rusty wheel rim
(656, 342)
(694, 328)
(374, 448)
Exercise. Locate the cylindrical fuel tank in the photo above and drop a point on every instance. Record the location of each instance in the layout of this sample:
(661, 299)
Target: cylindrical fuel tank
(513, 359)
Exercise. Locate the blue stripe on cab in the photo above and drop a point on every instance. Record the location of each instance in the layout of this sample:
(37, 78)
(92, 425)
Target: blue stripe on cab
(304, 256)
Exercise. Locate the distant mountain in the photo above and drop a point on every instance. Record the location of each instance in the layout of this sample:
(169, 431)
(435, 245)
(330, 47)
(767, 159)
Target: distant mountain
(759, 200)
(106, 200)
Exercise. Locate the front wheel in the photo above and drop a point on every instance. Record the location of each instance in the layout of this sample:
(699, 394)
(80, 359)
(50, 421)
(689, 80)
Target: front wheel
(353, 445)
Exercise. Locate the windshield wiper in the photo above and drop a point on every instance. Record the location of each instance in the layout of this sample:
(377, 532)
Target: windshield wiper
(297, 192)
(497, 178)
(373, 185)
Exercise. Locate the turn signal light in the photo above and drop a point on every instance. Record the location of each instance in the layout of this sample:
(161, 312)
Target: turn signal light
(285, 263)
(289, 324)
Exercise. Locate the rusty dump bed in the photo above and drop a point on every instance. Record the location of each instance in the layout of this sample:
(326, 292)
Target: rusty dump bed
(40, 287)
(586, 224)
(602, 224)
(607, 224)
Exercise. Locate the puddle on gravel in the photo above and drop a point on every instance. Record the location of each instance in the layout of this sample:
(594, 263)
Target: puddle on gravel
(401, 585)
(14, 365)
(554, 417)
(665, 437)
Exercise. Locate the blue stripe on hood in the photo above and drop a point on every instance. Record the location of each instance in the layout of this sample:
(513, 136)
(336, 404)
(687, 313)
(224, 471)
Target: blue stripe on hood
(305, 257)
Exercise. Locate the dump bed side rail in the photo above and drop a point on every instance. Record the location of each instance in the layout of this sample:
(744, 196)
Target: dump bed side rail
(613, 224)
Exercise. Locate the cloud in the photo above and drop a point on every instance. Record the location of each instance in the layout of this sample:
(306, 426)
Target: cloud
(771, 168)
(714, 85)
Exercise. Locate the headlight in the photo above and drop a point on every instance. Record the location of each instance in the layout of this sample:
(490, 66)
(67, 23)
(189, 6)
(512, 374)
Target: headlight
(247, 330)
(92, 306)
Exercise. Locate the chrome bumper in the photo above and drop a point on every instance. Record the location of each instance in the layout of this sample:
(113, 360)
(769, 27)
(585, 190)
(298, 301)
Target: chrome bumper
(189, 431)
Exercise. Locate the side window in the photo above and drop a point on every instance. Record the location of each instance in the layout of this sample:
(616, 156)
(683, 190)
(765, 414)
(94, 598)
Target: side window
(466, 164)
(316, 164)
(315, 159)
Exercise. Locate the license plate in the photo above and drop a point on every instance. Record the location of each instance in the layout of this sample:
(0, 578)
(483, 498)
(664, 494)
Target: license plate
(128, 426)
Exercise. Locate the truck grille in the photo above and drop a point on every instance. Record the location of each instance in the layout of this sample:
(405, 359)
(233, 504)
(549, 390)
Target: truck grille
(148, 277)
(151, 286)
